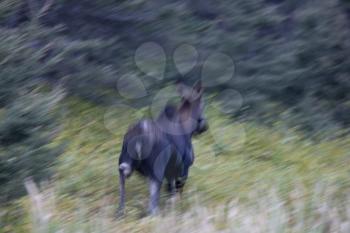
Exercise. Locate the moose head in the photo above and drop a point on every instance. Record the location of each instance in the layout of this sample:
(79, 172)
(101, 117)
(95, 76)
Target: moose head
(191, 109)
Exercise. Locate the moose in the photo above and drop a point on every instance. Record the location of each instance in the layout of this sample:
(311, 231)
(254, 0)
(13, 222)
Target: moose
(161, 149)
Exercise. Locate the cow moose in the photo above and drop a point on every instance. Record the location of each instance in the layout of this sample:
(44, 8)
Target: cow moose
(161, 148)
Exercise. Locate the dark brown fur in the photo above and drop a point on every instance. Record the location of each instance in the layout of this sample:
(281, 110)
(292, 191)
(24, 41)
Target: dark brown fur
(162, 149)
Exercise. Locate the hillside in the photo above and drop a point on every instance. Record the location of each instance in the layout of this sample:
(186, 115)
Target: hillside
(75, 73)
(268, 176)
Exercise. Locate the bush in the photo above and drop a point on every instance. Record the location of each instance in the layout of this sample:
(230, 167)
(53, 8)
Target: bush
(28, 115)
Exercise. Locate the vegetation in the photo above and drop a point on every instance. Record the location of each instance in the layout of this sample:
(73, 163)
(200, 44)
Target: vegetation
(293, 53)
(272, 178)
(275, 158)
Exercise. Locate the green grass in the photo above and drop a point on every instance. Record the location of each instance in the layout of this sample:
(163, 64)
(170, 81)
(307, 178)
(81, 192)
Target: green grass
(243, 172)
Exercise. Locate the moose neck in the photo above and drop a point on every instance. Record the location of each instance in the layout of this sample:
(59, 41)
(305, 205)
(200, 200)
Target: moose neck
(169, 120)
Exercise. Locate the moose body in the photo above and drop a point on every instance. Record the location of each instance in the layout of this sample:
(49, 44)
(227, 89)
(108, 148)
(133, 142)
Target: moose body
(162, 148)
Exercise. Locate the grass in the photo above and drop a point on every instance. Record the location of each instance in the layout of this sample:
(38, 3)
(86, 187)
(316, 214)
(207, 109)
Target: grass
(246, 178)
(268, 213)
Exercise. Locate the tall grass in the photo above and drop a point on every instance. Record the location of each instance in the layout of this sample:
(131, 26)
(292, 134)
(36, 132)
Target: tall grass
(257, 180)
(264, 212)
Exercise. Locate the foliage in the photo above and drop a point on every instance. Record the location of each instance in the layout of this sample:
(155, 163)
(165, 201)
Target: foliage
(291, 68)
(27, 114)
(293, 53)
(271, 171)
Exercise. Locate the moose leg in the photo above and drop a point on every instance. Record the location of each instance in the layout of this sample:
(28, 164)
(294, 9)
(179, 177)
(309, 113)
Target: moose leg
(154, 192)
(172, 186)
(172, 190)
(121, 207)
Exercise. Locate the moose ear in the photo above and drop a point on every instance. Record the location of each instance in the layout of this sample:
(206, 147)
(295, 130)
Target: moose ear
(198, 87)
(183, 90)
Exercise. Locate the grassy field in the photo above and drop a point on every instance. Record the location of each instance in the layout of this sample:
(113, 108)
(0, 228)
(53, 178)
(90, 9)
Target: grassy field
(246, 178)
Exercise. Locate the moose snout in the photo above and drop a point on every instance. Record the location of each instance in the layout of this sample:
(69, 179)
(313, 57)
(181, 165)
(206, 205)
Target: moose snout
(202, 125)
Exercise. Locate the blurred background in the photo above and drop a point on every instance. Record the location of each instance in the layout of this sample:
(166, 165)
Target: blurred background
(74, 74)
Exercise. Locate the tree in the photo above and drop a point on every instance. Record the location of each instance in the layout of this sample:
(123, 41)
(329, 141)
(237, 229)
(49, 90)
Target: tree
(28, 115)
